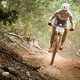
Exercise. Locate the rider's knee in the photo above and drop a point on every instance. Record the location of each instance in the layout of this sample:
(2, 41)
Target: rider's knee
(63, 40)
(53, 33)
(64, 37)
(66, 31)
(53, 30)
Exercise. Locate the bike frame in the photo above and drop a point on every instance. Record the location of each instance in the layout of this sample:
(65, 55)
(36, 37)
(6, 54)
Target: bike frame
(56, 44)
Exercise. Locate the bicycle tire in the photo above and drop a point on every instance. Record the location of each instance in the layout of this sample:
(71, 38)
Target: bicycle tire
(55, 46)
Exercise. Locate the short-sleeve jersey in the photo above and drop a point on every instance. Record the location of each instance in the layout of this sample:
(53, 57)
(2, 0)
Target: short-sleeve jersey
(63, 16)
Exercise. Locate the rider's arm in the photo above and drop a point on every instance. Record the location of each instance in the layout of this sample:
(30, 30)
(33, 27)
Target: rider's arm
(72, 23)
(49, 23)
(71, 20)
(52, 17)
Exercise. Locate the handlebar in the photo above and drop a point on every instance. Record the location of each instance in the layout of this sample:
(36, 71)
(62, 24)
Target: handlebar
(71, 29)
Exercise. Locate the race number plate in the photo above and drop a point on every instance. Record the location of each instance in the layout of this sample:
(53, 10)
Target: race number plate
(60, 30)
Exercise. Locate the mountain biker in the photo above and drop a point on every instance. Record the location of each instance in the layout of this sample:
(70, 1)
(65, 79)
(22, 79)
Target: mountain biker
(61, 16)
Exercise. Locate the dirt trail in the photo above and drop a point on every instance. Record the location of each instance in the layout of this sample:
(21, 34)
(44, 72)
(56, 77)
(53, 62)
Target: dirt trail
(65, 67)
(62, 69)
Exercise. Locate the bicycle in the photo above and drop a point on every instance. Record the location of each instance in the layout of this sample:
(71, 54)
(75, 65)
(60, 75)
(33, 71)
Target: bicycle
(57, 40)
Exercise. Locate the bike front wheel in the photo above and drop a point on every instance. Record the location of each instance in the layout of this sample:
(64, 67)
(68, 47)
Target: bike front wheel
(55, 48)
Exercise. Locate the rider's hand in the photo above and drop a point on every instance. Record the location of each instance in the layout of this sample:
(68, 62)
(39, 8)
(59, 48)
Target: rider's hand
(71, 29)
(49, 24)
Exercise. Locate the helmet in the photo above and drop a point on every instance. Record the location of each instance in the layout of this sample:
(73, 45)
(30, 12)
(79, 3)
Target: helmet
(65, 6)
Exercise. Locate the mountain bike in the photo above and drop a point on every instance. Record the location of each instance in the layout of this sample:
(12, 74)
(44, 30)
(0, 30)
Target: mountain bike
(57, 40)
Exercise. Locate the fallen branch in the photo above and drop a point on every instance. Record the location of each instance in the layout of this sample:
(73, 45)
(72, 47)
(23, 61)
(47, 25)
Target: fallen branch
(15, 35)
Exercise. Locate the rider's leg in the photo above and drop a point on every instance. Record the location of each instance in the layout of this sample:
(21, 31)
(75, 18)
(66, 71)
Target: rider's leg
(53, 34)
(64, 36)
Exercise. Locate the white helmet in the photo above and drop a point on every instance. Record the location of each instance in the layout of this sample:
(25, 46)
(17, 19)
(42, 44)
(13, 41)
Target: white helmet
(65, 6)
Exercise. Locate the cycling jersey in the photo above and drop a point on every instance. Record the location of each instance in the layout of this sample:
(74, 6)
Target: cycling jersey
(62, 18)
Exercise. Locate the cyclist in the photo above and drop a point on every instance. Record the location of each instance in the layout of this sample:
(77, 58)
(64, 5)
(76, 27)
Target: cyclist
(61, 16)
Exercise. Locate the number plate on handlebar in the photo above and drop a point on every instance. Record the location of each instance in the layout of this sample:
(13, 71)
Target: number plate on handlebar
(60, 30)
